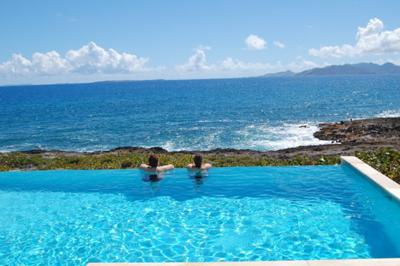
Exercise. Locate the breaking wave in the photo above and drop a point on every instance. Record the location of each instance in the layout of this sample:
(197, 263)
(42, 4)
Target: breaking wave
(265, 137)
(389, 113)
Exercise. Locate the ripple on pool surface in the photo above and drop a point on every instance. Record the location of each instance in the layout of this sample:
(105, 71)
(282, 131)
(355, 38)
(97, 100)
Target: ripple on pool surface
(239, 214)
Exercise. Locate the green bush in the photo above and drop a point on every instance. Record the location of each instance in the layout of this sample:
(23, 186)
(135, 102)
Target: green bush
(386, 161)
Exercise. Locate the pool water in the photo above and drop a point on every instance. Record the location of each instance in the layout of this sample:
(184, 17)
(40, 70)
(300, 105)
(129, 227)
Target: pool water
(234, 214)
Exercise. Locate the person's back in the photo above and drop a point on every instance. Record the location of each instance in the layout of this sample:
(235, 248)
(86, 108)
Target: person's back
(198, 169)
(153, 170)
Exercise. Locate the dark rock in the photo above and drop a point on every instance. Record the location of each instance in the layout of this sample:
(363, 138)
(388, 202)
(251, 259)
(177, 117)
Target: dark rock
(353, 131)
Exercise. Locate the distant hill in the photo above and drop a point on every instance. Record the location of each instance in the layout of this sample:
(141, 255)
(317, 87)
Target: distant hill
(280, 74)
(343, 70)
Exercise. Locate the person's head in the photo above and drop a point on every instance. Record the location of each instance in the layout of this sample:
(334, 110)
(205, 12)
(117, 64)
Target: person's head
(198, 160)
(153, 160)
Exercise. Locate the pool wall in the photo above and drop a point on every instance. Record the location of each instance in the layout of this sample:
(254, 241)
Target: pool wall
(375, 176)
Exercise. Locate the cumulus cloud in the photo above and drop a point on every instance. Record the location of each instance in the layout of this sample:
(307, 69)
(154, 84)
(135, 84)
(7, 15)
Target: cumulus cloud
(279, 44)
(255, 42)
(196, 62)
(49, 63)
(88, 59)
(92, 58)
(16, 65)
(371, 39)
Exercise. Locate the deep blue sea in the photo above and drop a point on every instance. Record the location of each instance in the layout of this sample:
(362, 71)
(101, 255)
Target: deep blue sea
(251, 113)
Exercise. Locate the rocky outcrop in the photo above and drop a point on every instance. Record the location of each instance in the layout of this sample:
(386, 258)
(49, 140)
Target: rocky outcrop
(358, 131)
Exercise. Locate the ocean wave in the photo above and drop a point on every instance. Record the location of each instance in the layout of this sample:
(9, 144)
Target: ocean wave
(389, 113)
(209, 141)
(266, 137)
(254, 136)
(169, 146)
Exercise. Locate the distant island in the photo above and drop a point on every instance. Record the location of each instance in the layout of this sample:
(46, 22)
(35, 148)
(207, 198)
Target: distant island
(361, 69)
(343, 70)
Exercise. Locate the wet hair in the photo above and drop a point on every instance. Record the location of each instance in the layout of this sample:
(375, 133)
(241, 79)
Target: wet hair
(198, 160)
(153, 161)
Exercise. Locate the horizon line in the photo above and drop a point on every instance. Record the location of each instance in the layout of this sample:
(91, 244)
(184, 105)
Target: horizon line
(266, 75)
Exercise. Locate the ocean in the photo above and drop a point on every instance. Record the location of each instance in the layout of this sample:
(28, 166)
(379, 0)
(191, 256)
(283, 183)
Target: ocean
(246, 113)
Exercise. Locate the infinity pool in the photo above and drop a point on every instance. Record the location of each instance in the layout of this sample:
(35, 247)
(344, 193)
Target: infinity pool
(234, 214)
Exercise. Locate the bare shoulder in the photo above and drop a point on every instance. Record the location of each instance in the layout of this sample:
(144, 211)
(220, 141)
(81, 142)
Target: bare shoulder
(143, 166)
(206, 166)
(165, 167)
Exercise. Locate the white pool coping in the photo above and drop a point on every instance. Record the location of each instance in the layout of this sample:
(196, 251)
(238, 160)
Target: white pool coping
(378, 178)
(374, 175)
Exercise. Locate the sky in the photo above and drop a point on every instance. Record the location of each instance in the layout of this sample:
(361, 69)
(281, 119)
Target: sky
(57, 41)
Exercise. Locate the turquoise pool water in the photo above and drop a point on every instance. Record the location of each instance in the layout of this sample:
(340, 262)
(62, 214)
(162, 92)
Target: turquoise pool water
(234, 214)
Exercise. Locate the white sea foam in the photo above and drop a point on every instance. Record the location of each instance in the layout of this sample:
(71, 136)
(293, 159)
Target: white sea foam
(266, 137)
(260, 136)
(169, 146)
(207, 142)
(254, 136)
(389, 113)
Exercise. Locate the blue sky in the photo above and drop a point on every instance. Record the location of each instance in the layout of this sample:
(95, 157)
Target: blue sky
(189, 39)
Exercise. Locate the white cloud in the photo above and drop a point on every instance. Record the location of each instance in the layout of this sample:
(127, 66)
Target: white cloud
(233, 64)
(279, 44)
(255, 42)
(196, 62)
(371, 39)
(88, 59)
(49, 63)
(92, 58)
(334, 51)
(16, 65)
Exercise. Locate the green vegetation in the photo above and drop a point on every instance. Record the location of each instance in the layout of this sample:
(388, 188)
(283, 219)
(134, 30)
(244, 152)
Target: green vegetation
(385, 160)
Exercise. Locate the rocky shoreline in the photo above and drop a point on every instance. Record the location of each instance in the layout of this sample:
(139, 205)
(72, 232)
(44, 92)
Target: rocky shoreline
(376, 141)
(347, 137)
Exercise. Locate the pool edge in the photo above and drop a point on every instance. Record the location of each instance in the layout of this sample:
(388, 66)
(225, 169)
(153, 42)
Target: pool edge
(346, 262)
(374, 175)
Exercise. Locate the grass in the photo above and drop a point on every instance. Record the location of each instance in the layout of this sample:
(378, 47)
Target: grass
(385, 160)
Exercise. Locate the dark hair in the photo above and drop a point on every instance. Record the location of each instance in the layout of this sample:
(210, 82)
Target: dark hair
(153, 160)
(198, 160)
